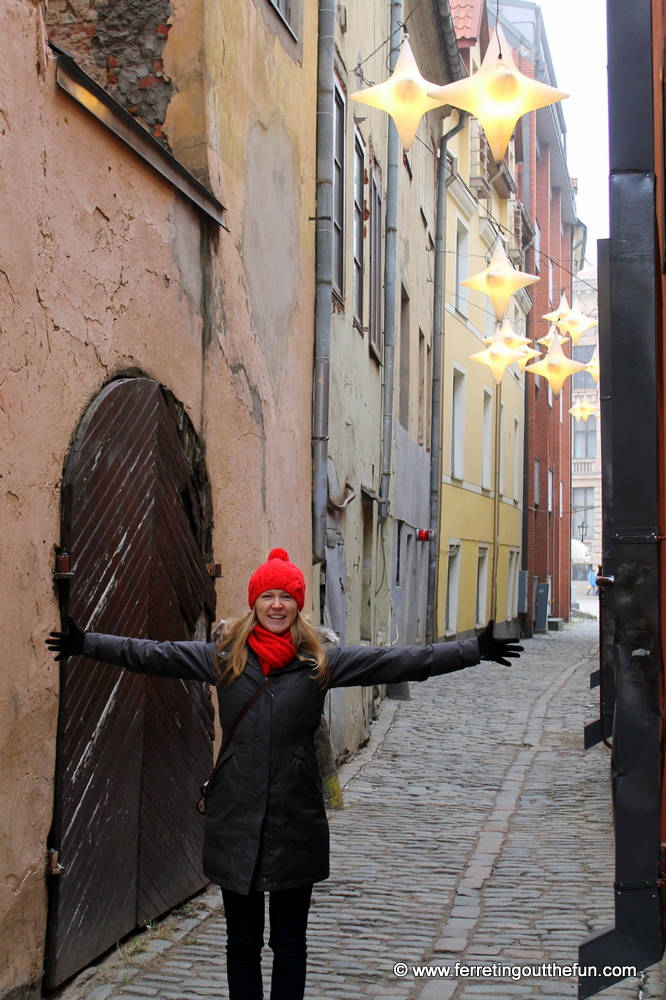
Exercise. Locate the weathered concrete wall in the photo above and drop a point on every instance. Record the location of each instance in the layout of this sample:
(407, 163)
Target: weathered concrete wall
(104, 269)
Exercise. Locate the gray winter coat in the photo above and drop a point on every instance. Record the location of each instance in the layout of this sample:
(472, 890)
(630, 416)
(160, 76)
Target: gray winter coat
(266, 825)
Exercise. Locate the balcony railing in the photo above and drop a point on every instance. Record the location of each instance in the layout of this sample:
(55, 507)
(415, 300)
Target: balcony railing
(583, 466)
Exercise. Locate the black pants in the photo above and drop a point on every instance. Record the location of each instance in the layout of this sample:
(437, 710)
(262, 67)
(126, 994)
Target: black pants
(288, 912)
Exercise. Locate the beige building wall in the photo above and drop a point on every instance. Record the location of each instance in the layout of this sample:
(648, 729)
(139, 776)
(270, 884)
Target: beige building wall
(106, 269)
(383, 602)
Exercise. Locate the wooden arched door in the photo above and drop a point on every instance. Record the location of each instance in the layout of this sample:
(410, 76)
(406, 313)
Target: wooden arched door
(132, 751)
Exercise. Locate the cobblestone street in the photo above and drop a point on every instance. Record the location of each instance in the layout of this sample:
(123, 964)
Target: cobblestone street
(475, 829)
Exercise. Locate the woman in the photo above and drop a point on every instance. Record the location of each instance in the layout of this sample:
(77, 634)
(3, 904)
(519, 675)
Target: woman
(266, 828)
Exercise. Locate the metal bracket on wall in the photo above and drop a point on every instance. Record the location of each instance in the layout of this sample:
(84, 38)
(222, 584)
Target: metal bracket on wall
(52, 865)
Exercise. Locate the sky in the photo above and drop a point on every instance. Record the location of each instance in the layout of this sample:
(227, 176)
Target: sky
(576, 31)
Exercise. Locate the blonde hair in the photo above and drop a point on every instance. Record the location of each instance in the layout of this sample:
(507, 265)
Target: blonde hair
(234, 635)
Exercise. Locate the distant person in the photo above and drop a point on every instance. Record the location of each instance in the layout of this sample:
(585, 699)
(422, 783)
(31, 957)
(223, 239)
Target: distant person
(591, 583)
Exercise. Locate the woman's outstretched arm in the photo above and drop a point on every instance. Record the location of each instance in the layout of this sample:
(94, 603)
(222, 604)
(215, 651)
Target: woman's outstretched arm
(362, 665)
(185, 660)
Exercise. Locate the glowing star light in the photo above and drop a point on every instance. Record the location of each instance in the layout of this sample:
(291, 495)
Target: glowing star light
(575, 324)
(498, 94)
(556, 367)
(593, 366)
(512, 339)
(498, 356)
(500, 280)
(560, 313)
(548, 339)
(583, 409)
(527, 353)
(404, 96)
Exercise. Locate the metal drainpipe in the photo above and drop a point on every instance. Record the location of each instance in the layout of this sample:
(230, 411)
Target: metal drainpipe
(436, 415)
(324, 275)
(390, 278)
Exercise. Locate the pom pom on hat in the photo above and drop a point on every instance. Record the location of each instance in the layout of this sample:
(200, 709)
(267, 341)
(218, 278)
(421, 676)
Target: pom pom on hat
(277, 573)
(278, 554)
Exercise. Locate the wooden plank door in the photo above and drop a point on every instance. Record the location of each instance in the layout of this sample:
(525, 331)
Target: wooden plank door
(131, 750)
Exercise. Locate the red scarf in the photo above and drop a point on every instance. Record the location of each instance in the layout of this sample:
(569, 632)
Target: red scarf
(272, 650)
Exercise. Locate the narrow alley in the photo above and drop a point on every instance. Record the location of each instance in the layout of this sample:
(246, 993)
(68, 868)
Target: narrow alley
(475, 830)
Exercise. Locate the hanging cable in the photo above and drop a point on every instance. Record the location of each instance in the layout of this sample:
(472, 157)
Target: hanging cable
(497, 30)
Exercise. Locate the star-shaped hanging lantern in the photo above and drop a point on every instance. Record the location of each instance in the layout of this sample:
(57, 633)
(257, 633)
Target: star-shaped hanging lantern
(512, 339)
(498, 94)
(583, 409)
(527, 353)
(575, 324)
(560, 313)
(548, 339)
(500, 280)
(498, 356)
(404, 96)
(593, 366)
(556, 367)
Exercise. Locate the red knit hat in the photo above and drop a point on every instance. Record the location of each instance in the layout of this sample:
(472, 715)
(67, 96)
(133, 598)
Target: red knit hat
(278, 573)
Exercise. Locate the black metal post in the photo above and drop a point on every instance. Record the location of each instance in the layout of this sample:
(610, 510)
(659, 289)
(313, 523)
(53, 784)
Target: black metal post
(635, 939)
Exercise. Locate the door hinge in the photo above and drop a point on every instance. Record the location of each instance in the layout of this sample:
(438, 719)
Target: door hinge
(62, 570)
(214, 569)
(52, 865)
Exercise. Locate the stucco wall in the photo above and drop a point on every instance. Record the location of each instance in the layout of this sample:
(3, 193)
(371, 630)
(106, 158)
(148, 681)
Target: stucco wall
(103, 269)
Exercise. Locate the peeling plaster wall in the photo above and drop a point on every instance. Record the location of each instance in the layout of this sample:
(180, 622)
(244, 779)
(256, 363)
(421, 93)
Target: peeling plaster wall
(103, 269)
(119, 43)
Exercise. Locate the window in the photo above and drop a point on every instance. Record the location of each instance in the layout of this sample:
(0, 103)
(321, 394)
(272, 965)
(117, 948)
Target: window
(405, 347)
(481, 585)
(426, 172)
(501, 447)
(561, 496)
(550, 282)
(537, 247)
(428, 395)
(583, 512)
(487, 441)
(462, 267)
(585, 438)
(359, 225)
(583, 353)
(283, 6)
(422, 387)
(458, 425)
(551, 480)
(516, 459)
(366, 575)
(537, 484)
(338, 192)
(452, 588)
(375, 289)
(512, 584)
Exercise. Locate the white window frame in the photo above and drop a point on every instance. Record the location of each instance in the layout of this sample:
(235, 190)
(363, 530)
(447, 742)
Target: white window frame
(339, 192)
(481, 607)
(461, 296)
(487, 440)
(452, 587)
(358, 249)
(516, 458)
(458, 393)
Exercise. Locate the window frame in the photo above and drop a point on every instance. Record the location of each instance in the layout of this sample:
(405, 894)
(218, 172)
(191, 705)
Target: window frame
(358, 247)
(376, 338)
(338, 194)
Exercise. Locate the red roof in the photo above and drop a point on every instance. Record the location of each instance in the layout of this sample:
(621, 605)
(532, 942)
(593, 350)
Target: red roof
(466, 16)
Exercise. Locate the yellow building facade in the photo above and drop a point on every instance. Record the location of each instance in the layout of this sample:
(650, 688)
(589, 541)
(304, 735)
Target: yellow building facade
(483, 425)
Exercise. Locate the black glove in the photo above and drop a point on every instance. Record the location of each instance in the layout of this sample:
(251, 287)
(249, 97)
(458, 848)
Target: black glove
(68, 643)
(491, 648)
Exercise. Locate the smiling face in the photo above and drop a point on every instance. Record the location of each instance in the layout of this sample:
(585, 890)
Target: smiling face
(276, 611)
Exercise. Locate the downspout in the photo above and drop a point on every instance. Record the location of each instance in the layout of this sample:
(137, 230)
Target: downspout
(390, 278)
(324, 276)
(436, 415)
